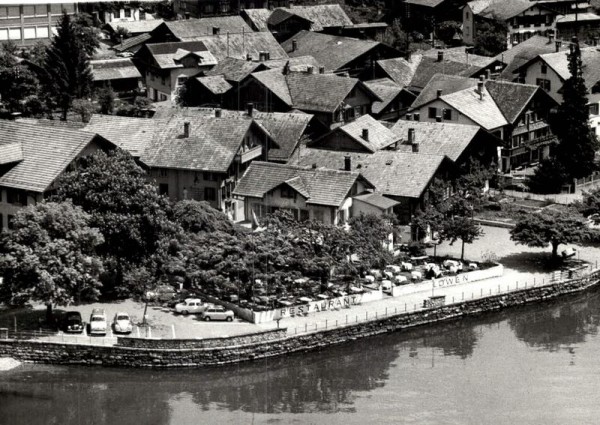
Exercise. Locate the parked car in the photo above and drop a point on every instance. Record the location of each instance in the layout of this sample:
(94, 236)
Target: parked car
(122, 323)
(191, 305)
(217, 312)
(162, 293)
(72, 322)
(98, 323)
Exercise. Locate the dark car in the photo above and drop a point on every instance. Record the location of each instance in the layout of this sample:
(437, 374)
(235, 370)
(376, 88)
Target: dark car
(72, 322)
(161, 293)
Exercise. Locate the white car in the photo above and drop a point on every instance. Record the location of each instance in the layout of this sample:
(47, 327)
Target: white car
(191, 305)
(98, 323)
(217, 312)
(122, 323)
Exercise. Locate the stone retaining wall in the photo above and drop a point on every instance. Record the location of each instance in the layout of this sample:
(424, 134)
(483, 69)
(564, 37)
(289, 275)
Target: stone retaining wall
(44, 352)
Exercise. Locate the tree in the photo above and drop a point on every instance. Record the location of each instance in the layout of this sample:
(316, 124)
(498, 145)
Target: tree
(17, 83)
(199, 216)
(490, 38)
(49, 256)
(463, 228)
(106, 100)
(548, 177)
(448, 31)
(590, 204)
(549, 227)
(84, 108)
(68, 74)
(577, 141)
(395, 36)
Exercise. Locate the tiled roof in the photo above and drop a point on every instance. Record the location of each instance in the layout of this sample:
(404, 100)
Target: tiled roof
(500, 9)
(258, 18)
(377, 200)
(114, 69)
(132, 42)
(399, 69)
(428, 67)
(47, 151)
(216, 84)
(240, 45)
(211, 146)
(425, 3)
(394, 173)
(332, 51)
(447, 83)
(233, 69)
(191, 29)
(511, 98)
(319, 92)
(168, 55)
(128, 133)
(10, 151)
(580, 17)
(276, 82)
(320, 16)
(483, 111)
(446, 139)
(379, 135)
(459, 54)
(136, 27)
(386, 89)
(297, 64)
(323, 186)
(523, 52)
(590, 57)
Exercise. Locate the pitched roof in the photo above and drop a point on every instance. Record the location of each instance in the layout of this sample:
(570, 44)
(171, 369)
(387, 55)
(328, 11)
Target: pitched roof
(46, 153)
(446, 139)
(297, 64)
(460, 54)
(169, 55)
(482, 110)
(428, 67)
(233, 69)
(332, 51)
(128, 133)
(131, 43)
(320, 186)
(320, 16)
(500, 9)
(258, 18)
(240, 45)
(114, 69)
(523, 52)
(319, 92)
(511, 98)
(377, 200)
(379, 136)
(399, 69)
(447, 83)
(211, 146)
(191, 29)
(135, 27)
(10, 151)
(425, 3)
(580, 17)
(394, 173)
(276, 82)
(216, 84)
(386, 89)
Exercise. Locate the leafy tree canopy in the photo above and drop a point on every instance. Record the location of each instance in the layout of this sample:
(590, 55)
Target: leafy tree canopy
(490, 39)
(199, 216)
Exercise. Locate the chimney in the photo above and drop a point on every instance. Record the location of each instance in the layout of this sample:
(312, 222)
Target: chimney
(262, 56)
(321, 70)
(550, 37)
(310, 69)
(347, 163)
(488, 74)
(415, 147)
(249, 57)
(187, 15)
(417, 116)
(218, 113)
(480, 89)
(186, 129)
(482, 78)
(121, 38)
(440, 56)
(409, 117)
(249, 108)
(438, 119)
(411, 136)
(439, 93)
(268, 56)
(216, 30)
(314, 166)
(558, 45)
(365, 134)
(294, 45)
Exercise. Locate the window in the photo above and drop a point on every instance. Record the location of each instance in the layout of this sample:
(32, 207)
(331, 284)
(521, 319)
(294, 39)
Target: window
(210, 194)
(432, 113)
(467, 31)
(288, 192)
(29, 33)
(14, 33)
(13, 12)
(41, 10)
(55, 8)
(42, 32)
(543, 83)
(447, 114)
(593, 109)
(28, 10)
(357, 111)
(163, 172)
(181, 80)
(210, 177)
(304, 215)
(117, 14)
(467, 15)
(14, 196)
(544, 69)
(208, 8)
(3, 34)
(128, 13)
(163, 189)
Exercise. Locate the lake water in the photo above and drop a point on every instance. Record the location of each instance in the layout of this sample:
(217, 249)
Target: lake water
(530, 365)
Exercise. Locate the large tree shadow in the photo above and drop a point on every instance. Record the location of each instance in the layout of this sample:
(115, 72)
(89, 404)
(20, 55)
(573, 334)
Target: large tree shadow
(536, 262)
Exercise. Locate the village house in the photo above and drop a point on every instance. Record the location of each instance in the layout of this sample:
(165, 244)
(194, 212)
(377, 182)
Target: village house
(201, 156)
(33, 157)
(342, 55)
(124, 12)
(191, 29)
(551, 70)
(133, 28)
(120, 74)
(287, 21)
(324, 195)
(201, 8)
(167, 66)
(421, 15)
(332, 99)
(515, 113)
